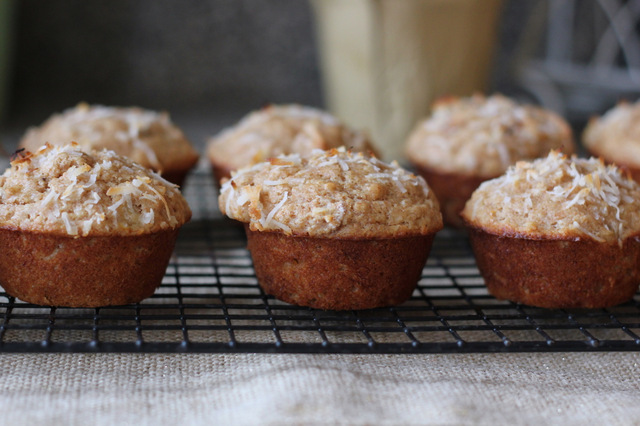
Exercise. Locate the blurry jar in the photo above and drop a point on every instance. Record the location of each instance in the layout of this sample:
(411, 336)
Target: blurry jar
(384, 61)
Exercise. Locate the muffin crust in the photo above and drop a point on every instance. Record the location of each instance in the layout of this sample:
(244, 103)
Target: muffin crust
(146, 137)
(280, 129)
(338, 274)
(331, 194)
(334, 230)
(558, 233)
(57, 270)
(483, 136)
(616, 136)
(85, 229)
(557, 273)
(66, 191)
(560, 198)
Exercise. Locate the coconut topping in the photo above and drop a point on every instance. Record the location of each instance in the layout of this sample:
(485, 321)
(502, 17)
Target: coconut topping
(616, 135)
(333, 193)
(559, 197)
(65, 190)
(147, 137)
(484, 135)
(281, 129)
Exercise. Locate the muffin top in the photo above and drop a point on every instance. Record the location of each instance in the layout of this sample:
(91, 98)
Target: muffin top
(67, 191)
(147, 137)
(558, 198)
(616, 135)
(482, 136)
(330, 194)
(281, 129)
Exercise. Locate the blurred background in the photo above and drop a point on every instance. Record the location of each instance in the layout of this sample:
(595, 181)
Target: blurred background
(210, 62)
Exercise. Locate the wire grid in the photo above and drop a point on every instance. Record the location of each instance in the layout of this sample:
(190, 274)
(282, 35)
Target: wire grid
(210, 301)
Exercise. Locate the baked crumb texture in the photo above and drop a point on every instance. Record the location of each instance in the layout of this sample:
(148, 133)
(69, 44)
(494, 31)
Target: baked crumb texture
(146, 137)
(482, 136)
(557, 274)
(338, 273)
(331, 194)
(58, 270)
(558, 197)
(616, 136)
(280, 129)
(64, 190)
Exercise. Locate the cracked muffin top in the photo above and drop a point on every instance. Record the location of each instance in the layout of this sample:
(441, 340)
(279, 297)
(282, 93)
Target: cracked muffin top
(483, 136)
(281, 129)
(68, 191)
(148, 138)
(329, 194)
(558, 197)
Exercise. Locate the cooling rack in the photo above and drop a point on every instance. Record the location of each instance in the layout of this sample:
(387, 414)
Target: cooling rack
(210, 301)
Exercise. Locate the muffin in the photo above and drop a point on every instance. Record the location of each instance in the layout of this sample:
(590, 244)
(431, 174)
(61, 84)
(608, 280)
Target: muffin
(466, 141)
(616, 137)
(146, 137)
(334, 230)
(276, 130)
(85, 229)
(558, 232)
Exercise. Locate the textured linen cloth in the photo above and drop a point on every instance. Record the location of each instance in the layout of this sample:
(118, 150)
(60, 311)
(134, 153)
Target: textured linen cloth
(565, 388)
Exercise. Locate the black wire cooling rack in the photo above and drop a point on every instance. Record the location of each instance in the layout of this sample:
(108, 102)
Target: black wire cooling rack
(210, 301)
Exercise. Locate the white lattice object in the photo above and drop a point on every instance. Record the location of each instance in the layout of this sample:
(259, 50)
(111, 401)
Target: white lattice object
(590, 55)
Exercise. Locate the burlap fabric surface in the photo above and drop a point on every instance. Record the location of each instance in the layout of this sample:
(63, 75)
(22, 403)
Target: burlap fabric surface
(568, 388)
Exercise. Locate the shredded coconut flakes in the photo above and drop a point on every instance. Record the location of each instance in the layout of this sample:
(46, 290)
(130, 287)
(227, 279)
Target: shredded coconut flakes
(598, 192)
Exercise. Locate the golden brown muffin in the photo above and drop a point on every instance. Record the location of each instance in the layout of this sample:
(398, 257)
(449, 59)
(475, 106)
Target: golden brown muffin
(146, 137)
(334, 230)
(85, 229)
(466, 141)
(558, 232)
(276, 130)
(616, 137)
